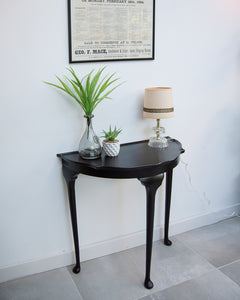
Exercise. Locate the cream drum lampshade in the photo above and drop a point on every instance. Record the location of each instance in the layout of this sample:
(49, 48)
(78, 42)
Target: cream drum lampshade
(158, 103)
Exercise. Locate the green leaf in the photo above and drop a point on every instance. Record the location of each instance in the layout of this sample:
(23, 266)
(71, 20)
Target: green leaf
(95, 81)
(104, 85)
(105, 96)
(67, 89)
(111, 134)
(55, 85)
(79, 84)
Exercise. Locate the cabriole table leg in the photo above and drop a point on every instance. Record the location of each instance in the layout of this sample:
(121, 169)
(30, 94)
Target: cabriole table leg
(151, 185)
(70, 180)
(167, 242)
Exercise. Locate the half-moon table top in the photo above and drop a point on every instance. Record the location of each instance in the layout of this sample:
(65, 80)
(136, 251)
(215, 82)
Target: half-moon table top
(135, 160)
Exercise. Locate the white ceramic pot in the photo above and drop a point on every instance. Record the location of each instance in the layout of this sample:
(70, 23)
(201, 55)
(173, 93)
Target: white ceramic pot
(111, 148)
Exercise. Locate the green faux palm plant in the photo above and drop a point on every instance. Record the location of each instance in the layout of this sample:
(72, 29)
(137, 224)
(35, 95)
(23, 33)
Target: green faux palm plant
(88, 91)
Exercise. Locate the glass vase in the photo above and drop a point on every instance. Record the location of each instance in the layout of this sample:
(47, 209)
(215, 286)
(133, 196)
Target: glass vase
(89, 146)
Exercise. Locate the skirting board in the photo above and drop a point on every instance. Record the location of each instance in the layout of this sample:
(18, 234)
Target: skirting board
(115, 245)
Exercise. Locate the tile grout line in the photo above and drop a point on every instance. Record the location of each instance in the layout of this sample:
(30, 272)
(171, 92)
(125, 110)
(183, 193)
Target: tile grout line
(137, 268)
(182, 282)
(81, 298)
(150, 295)
(198, 253)
(237, 260)
(195, 278)
(215, 268)
(219, 269)
(195, 252)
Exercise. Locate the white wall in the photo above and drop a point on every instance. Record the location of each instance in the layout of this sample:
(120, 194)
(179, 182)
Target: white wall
(197, 53)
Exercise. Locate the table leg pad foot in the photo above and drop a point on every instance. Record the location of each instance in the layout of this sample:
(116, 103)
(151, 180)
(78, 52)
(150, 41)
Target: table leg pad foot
(76, 269)
(167, 242)
(148, 284)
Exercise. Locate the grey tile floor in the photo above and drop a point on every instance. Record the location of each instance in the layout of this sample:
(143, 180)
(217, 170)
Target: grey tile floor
(201, 264)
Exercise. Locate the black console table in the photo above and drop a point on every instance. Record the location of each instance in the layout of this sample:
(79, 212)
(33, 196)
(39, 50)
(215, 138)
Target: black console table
(135, 160)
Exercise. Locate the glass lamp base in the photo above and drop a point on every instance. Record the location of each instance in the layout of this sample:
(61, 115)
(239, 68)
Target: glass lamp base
(155, 142)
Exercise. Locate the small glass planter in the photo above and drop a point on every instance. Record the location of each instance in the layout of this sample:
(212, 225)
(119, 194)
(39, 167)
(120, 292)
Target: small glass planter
(89, 146)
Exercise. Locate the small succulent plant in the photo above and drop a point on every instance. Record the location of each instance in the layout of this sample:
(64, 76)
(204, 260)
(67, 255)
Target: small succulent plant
(111, 134)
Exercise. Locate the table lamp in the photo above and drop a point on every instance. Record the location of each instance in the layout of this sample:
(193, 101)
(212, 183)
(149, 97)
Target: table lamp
(158, 104)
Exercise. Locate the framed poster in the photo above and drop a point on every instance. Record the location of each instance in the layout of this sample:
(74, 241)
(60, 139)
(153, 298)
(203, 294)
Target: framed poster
(108, 30)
